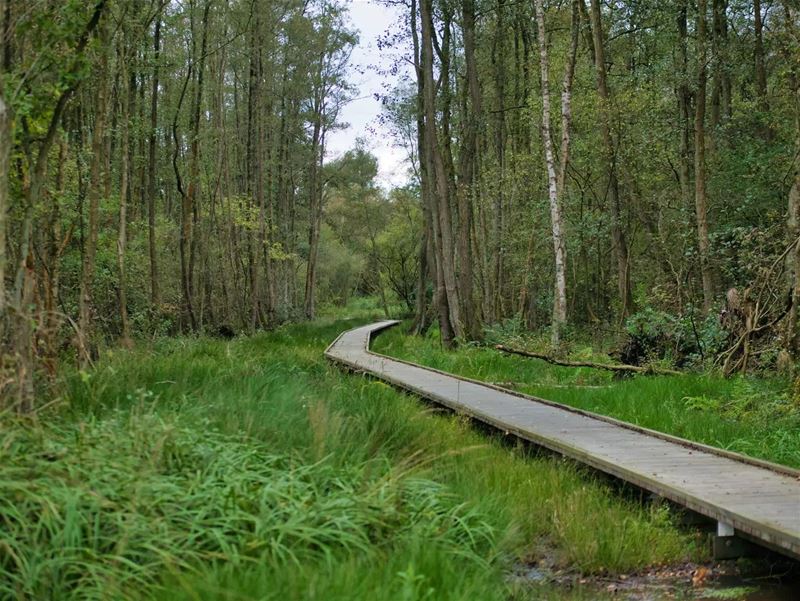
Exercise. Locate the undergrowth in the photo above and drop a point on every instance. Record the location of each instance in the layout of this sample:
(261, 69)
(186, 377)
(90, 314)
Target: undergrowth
(251, 469)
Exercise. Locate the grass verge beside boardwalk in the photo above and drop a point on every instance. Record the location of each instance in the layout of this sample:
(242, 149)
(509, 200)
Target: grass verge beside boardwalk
(252, 469)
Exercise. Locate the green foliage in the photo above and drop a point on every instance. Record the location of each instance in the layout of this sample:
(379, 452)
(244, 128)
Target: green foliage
(687, 340)
(50, 65)
(745, 253)
(397, 247)
(748, 400)
(192, 467)
(196, 495)
(340, 271)
(382, 232)
(505, 331)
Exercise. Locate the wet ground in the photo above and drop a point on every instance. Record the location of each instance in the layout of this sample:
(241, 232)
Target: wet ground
(744, 580)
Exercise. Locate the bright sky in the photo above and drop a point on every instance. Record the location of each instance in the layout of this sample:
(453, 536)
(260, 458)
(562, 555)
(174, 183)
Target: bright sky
(371, 20)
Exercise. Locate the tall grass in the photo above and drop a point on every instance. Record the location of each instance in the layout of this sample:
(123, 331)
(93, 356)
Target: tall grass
(251, 469)
(94, 512)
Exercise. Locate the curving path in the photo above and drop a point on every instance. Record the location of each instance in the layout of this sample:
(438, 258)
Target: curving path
(747, 497)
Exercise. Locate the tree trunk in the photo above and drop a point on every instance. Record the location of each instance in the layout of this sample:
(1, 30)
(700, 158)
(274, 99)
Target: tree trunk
(766, 129)
(447, 290)
(468, 186)
(618, 368)
(793, 260)
(122, 234)
(494, 282)
(6, 141)
(426, 257)
(5, 152)
(445, 170)
(760, 68)
(559, 246)
(315, 214)
(185, 224)
(566, 97)
(701, 208)
(189, 200)
(5, 155)
(721, 92)
(284, 209)
(793, 214)
(617, 227)
(155, 292)
(255, 165)
(58, 243)
(684, 106)
(96, 186)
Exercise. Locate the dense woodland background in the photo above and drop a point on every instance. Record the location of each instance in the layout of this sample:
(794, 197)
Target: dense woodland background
(575, 166)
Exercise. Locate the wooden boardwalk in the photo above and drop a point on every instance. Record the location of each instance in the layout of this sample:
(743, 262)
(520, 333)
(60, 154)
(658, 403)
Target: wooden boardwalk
(757, 500)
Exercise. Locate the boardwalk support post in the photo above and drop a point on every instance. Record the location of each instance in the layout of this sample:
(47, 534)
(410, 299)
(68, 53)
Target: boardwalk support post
(724, 529)
(729, 546)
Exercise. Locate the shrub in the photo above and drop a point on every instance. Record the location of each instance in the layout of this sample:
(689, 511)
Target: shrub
(683, 340)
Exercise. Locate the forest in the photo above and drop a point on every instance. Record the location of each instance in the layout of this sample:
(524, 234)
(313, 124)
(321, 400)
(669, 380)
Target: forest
(571, 167)
(612, 186)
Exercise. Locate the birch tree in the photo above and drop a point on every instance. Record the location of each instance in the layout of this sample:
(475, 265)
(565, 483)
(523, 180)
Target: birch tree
(555, 181)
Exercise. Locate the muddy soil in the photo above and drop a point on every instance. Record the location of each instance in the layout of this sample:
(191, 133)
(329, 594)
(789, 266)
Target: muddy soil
(772, 579)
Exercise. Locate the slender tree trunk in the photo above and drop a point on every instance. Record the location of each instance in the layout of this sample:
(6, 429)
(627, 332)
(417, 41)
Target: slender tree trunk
(684, 106)
(793, 214)
(447, 293)
(468, 186)
(96, 189)
(495, 243)
(122, 234)
(793, 260)
(566, 98)
(721, 91)
(5, 155)
(444, 168)
(284, 205)
(155, 292)
(617, 227)
(716, 81)
(315, 214)
(421, 296)
(425, 249)
(189, 200)
(557, 223)
(424, 51)
(51, 320)
(185, 223)
(761, 71)
(760, 68)
(701, 203)
(5, 152)
(255, 164)
(267, 214)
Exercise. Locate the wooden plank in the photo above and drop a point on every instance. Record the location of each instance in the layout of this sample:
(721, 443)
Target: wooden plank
(760, 499)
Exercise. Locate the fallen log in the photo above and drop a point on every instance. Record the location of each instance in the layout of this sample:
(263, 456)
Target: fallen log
(621, 368)
(515, 385)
